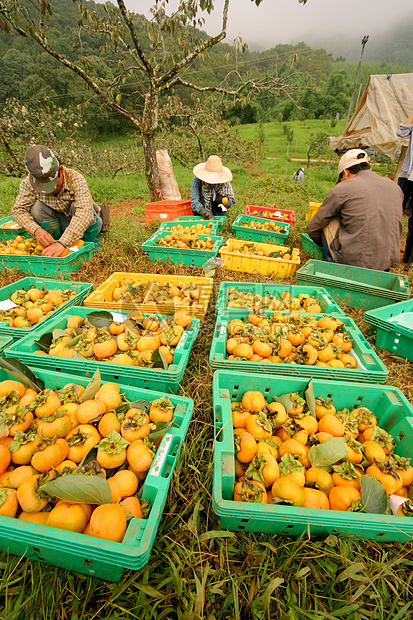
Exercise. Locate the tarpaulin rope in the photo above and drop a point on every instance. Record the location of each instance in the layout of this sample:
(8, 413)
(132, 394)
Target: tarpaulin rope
(396, 95)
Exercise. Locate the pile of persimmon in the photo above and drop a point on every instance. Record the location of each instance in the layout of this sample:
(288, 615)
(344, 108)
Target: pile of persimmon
(185, 241)
(180, 292)
(284, 301)
(284, 217)
(130, 290)
(273, 454)
(22, 246)
(10, 224)
(263, 225)
(204, 228)
(290, 339)
(34, 305)
(48, 434)
(256, 249)
(132, 343)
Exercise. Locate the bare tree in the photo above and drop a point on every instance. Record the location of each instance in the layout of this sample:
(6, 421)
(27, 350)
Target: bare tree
(174, 46)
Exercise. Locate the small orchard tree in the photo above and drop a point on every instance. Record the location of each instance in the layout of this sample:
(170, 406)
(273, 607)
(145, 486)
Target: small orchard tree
(21, 125)
(198, 129)
(146, 58)
(318, 145)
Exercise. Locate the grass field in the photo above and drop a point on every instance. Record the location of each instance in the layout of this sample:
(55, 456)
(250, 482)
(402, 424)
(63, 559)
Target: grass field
(197, 571)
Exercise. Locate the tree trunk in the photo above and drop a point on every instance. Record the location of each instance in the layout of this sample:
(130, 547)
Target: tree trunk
(150, 125)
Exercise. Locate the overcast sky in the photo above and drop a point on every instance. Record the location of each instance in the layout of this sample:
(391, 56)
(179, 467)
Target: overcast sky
(287, 21)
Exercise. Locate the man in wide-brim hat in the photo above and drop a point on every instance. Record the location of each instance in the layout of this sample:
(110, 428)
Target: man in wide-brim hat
(211, 189)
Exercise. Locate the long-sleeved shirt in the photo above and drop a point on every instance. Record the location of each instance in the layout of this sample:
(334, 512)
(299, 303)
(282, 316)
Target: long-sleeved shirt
(407, 168)
(198, 199)
(74, 191)
(369, 208)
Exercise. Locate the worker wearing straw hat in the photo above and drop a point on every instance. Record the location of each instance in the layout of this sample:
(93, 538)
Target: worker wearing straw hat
(211, 190)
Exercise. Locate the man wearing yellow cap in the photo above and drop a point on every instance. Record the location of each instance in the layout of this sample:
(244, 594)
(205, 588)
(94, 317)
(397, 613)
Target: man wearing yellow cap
(360, 221)
(54, 203)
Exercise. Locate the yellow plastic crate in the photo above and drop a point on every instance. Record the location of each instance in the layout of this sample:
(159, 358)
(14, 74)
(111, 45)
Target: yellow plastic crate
(267, 266)
(102, 297)
(312, 209)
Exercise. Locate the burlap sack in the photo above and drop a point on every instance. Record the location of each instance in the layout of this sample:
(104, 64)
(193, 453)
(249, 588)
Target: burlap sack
(169, 186)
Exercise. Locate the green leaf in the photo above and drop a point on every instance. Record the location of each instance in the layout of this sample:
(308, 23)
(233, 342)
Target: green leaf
(159, 360)
(45, 341)
(328, 453)
(374, 497)
(80, 489)
(133, 327)
(144, 405)
(161, 428)
(22, 373)
(59, 333)
(100, 318)
(72, 343)
(285, 400)
(310, 398)
(92, 387)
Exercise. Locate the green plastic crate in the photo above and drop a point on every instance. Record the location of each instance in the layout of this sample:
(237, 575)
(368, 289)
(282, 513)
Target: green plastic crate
(394, 414)
(220, 219)
(309, 246)
(4, 343)
(393, 334)
(47, 266)
(11, 233)
(82, 290)
(261, 236)
(177, 255)
(355, 286)
(372, 371)
(326, 303)
(88, 555)
(152, 378)
(188, 224)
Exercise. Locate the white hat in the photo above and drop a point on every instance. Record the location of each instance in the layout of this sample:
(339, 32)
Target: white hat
(212, 171)
(351, 158)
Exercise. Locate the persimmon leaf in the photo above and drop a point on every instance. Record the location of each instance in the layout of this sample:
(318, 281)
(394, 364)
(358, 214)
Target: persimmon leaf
(81, 489)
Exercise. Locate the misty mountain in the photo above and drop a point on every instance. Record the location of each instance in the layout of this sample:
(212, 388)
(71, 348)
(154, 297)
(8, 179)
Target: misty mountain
(394, 46)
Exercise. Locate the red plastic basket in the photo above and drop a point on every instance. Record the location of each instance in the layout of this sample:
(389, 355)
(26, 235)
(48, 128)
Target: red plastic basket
(279, 214)
(167, 210)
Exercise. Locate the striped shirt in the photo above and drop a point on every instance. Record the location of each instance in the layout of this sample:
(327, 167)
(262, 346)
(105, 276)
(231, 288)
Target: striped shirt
(74, 190)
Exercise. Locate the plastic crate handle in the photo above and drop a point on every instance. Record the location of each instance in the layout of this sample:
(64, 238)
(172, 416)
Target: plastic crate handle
(165, 459)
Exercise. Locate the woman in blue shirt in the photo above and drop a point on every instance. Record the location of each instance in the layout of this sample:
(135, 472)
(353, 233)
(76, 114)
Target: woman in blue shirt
(211, 190)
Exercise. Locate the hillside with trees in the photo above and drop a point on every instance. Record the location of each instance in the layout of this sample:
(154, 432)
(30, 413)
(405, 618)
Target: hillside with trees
(200, 88)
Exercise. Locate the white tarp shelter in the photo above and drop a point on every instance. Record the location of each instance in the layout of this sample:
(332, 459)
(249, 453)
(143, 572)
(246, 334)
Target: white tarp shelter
(386, 102)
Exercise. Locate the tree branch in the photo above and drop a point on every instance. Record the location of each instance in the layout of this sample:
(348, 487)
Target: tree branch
(131, 27)
(164, 80)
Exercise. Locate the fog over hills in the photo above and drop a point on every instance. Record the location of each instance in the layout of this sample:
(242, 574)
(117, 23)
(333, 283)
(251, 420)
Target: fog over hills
(333, 24)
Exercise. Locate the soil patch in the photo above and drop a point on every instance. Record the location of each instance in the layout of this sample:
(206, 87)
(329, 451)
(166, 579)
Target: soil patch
(125, 208)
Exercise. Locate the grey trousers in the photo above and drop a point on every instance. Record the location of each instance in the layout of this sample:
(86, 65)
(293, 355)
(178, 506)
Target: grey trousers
(42, 213)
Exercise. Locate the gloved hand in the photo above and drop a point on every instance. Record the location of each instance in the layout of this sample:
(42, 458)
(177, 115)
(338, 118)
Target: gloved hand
(206, 214)
(223, 208)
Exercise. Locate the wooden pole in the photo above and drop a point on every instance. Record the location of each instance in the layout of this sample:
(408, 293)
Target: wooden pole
(363, 45)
